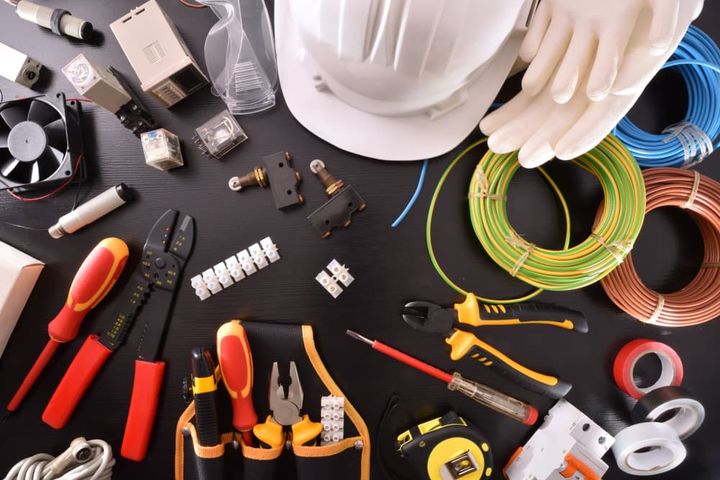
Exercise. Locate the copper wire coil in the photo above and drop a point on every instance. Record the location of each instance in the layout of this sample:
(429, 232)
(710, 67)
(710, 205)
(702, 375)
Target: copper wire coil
(699, 301)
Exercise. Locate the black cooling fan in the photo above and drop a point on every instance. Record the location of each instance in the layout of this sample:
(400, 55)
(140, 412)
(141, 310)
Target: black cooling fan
(40, 140)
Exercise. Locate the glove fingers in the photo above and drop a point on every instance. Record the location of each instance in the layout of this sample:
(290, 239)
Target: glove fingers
(540, 147)
(574, 66)
(664, 23)
(505, 113)
(596, 122)
(638, 68)
(611, 47)
(515, 132)
(551, 51)
(536, 32)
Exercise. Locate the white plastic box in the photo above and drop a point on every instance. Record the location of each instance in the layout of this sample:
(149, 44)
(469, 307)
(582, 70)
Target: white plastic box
(18, 274)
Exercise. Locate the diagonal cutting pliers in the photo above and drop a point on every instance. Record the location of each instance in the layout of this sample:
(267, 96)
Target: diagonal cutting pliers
(452, 322)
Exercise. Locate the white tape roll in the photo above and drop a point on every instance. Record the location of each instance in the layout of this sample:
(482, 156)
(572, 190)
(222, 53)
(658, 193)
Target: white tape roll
(648, 448)
(673, 406)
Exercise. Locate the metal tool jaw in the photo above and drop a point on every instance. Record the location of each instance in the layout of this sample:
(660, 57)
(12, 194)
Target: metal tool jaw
(286, 408)
(429, 317)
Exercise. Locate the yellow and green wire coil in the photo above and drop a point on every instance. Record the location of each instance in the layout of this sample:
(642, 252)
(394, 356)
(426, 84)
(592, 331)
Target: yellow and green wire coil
(613, 236)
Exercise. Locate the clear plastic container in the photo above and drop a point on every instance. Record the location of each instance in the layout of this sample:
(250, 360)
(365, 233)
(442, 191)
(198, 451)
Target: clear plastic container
(240, 55)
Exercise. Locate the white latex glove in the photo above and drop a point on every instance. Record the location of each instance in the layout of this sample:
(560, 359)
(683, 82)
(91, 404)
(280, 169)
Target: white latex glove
(553, 116)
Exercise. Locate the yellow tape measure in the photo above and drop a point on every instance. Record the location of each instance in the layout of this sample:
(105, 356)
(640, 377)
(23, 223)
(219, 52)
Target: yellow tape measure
(446, 448)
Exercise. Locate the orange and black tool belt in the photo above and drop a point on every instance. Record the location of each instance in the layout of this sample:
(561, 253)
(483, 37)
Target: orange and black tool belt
(233, 459)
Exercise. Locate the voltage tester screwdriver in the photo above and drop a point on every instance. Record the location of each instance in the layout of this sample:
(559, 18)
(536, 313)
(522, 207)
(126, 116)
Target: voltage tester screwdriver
(96, 276)
(482, 394)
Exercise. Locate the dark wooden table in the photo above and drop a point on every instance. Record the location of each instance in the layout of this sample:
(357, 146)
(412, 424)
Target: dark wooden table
(390, 267)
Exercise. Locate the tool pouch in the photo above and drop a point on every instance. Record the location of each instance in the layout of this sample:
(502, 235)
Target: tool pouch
(232, 459)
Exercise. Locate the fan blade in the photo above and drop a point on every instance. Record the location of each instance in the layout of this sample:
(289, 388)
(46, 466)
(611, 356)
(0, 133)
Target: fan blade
(17, 171)
(42, 113)
(35, 172)
(57, 156)
(56, 134)
(14, 114)
(7, 162)
(3, 139)
(49, 162)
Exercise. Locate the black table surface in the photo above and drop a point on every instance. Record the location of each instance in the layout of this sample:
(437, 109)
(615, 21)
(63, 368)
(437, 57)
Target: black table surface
(390, 267)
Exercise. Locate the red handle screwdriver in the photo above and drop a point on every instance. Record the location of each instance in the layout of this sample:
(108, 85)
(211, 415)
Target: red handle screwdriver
(96, 276)
(491, 398)
(236, 366)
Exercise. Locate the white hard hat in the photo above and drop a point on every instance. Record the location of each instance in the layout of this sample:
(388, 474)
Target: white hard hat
(395, 79)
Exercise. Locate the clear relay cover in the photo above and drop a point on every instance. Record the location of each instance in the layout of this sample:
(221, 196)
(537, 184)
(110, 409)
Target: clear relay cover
(219, 135)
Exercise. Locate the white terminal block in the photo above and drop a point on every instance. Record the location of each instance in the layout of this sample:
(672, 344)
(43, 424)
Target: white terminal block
(332, 419)
(340, 273)
(223, 275)
(258, 256)
(567, 439)
(270, 249)
(329, 284)
(211, 281)
(201, 289)
(234, 268)
(246, 262)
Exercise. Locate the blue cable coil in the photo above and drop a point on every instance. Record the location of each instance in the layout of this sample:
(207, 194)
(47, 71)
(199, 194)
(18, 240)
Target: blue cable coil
(697, 59)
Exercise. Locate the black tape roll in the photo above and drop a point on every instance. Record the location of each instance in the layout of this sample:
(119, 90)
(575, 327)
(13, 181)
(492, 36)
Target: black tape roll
(673, 406)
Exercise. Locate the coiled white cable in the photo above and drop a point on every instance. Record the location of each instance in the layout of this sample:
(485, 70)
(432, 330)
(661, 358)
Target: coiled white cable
(83, 460)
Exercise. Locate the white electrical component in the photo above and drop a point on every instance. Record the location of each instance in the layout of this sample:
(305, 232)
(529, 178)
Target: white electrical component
(567, 444)
(18, 67)
(96, 83)
(270, 249)
(338, 273)
(201, 289)
(329, 284)
(246, 262)
(258, 256)
(223, 275)
(161, 149)
(235, 268)
(157, 53)
(211, 281)
(332, 419)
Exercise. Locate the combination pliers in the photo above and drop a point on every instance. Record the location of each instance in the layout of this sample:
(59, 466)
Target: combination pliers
(451, 323)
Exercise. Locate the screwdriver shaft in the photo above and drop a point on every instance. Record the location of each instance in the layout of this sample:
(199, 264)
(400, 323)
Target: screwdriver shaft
(480, 393)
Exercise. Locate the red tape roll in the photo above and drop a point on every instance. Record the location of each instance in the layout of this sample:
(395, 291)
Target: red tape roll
(671, 373)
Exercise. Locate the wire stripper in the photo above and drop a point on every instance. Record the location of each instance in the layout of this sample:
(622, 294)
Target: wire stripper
(448, 321)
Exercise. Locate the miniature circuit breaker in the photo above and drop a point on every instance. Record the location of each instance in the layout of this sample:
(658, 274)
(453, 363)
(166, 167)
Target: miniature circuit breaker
(161, 149)
(332, 418)
(235, 268)
(339, 274)
(219, 135)
(567, 446)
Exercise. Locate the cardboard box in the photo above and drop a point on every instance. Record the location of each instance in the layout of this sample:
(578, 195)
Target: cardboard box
(18, 274)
